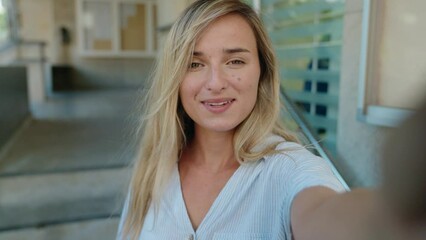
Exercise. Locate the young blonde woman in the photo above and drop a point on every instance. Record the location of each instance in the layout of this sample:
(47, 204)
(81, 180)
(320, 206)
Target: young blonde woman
(214, 161)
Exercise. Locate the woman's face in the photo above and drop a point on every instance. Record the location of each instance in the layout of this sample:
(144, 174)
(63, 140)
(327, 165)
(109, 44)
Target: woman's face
(220, 87)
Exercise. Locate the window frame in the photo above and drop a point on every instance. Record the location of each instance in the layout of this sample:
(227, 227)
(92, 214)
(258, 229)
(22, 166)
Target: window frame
(116, 51)
(368, 110)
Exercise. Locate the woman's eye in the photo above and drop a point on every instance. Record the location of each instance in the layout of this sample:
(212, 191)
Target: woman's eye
(194, 65)
(236, 62)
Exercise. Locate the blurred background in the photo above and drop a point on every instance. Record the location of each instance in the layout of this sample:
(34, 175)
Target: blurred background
(72, 71)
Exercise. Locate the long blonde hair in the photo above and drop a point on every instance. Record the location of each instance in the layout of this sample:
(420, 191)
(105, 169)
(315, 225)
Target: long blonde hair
(166, 128)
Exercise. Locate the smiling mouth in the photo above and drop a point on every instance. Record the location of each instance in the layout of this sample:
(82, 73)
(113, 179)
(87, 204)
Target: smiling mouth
(218, 104)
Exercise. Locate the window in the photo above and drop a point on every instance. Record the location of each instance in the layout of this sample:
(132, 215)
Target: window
(393, 60)
(307, 37)
(117, 28)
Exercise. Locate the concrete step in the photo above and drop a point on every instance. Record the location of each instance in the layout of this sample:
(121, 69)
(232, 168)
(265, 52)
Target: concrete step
(37, 200)
(63, 174)
(88, 104)
(104, 229)
(43, 146)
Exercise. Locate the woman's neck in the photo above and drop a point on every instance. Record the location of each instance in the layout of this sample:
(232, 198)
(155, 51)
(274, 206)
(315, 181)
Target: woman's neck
(211, 151)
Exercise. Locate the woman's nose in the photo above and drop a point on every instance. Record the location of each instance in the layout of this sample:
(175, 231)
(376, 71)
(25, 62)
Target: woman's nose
(217, 81)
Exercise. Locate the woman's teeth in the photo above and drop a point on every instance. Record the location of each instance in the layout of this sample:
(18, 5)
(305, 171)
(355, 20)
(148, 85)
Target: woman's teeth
(219, 103)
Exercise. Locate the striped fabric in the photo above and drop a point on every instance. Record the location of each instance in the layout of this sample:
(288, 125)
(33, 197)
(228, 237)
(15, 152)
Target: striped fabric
(254, 204)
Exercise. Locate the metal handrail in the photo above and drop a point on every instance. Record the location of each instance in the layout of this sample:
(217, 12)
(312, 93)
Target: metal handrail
(308, 133)
(19, 60)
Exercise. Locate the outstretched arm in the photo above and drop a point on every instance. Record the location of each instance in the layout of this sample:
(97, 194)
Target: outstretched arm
(320, 213)
(396, 211)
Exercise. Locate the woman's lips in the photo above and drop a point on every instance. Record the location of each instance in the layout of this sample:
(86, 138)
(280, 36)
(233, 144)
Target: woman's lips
(218, 105)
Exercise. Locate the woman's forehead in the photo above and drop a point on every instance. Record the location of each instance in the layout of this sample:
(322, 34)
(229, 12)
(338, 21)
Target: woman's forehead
(230, 31)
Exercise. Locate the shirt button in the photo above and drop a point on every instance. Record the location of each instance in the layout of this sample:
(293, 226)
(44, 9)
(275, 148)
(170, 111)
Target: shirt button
(190, 237)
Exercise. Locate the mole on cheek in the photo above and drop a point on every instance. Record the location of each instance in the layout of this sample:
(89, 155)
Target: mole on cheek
(238, 78)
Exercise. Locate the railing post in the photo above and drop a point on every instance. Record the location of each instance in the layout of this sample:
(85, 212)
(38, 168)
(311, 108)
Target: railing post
(36, 73)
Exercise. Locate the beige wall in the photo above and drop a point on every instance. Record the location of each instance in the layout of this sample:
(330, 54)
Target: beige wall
(168, 12)
(64, 16)
(358, 144)
(402, 56)
(36, 22)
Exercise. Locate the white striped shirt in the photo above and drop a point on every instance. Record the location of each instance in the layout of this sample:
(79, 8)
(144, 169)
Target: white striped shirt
(254, 204)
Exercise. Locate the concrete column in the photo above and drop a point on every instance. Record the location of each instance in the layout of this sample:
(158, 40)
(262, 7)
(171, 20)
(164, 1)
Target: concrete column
(36, 83)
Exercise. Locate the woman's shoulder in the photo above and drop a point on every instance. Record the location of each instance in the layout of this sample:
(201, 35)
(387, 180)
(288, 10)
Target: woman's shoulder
(287, 150)
(291, 157)
(294, 163)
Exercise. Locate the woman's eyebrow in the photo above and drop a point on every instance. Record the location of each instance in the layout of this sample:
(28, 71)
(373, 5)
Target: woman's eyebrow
(197, 54)
(235, 50)
(225, 50)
